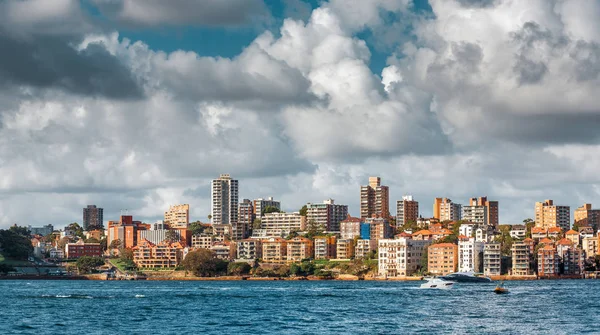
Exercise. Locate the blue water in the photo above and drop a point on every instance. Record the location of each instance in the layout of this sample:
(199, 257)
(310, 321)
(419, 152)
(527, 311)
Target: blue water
(292, 307)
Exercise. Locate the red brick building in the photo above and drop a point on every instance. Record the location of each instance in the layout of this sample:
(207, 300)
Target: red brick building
(76, 250)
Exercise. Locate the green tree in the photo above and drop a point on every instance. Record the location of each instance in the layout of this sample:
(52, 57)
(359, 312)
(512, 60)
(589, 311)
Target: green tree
(63, 242)
(5, 268)
(126, 255)
(257, 223)
(91, 240)
(15, 245)
(425, 261)
(23, 231)
(172, 236)
(529, 224)
(115, 244)
(76, 228)
(201, 262)
(85, 264)
(103, 245)
(304, 210)
(270, 209)
(238, 268)
(313, 229)
(196, 228)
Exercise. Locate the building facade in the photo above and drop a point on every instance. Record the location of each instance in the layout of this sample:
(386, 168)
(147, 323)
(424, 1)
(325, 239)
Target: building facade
(350, 228)
(299, 248)
(162, 255)
(249, 249)
(522, 258)
(344, 249)
(585, 216)
(178, 216)
(400, 257)
(442, 258)
(274, 250)
(43, 231)
(492, 259)
(548, 261)
(327, 215)
(93, 217)
(374, 199)
(445, 210)
(260, 204)
(76, 250)
(407, 210)
(476, 214)
(364, 247)
(325, 247)
(379, 228)
(470, 253)
(280, 224)
(243, 226)
(224, 194)
(548, 215)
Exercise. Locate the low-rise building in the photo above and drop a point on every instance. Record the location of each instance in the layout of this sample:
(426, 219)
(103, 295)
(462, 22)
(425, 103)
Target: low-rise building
(590, 246)
(350, 228)
(280, 224)
(80, 248)
(400, 257)
(422, 235)
(163, 255)
(299, 248)
(224, 250)
(363, 248)
(345, 249)
(554, 232)
(325, 247)
(492, 259)
(379, 228)
(274, 249)
(442, 258)
(249, 249)
(42, 231)
(538, 233)
(518, 231)
(204, 241)
(573, 236)
(57, 253)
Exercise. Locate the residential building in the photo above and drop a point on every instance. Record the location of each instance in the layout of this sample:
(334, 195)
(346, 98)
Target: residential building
(327, 215)
(585, 216)
(470, 254)
(518, 231)
(492, 211)
(125, 230)
(299, 248)
(93, 217)
(538, 233)
(42, 231)
(157, 233)
(350, 228)
(57, 253)
(442, 258)
(548, 215)
(243, 226)
(163, 255)
(344, 249)
(374, 199)
(590, 246)
(224, 250)
(407, 210)
(379, 228)
(222, 229)
(467, 229)
(364, 247)
(522, 256)
(204, 241)
(178, 216)
(422, 235)
(95, 234)
(423, 223)
(445, 210)
(492, 259)
(260, 204)
(400, 257)
(280, 224)
(325, 247)
(224, 195)
(249, 249)
(274, 250)
(78, 249)
(573, 236)
(475, 214)
(571, 257)
(548, 261)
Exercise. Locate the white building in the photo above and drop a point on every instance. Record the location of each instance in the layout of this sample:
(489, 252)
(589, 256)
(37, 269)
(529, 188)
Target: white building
(466, 229)
(469, 255)
(400, 257)
(224, 195)
(57, 253)
(280, 224)
(249, 249)
(590, 246)
(518, 231)
(364, 247)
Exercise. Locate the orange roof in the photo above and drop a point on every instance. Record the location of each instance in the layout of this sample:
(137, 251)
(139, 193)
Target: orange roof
(462, 237)
(404, 234)
(423, 232)
(571, 232)
(546, 240)
(548, 247)
(554, 230)
(538, 230)
(564, 241)
(442, 245)
(351, 219)
(527, 240)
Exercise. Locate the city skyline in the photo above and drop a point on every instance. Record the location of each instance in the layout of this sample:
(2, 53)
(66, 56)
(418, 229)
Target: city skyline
(138, 109)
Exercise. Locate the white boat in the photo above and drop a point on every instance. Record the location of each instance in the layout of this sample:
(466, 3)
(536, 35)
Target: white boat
(437, 283)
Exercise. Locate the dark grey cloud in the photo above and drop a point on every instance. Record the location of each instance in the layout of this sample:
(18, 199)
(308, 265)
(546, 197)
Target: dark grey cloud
(52, 62)
(529, 71)
(184, 12)
(478, 3)
(587, 55)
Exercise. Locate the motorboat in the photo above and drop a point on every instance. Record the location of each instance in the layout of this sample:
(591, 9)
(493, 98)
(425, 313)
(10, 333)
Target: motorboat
(500, 289)
(437, 283)
(466, 277)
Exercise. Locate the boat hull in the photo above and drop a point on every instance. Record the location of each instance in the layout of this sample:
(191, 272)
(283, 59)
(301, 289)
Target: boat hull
(460, 278)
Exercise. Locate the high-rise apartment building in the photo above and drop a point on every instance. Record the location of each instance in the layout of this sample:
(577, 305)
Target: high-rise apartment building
(400, 257)
(481, 211)
(548, 215)
(241, 228)
(445, 210)
(224, 205)
(93, 217)
(470, 255)
(442, 258)
(492, 259)
(407, 210)
(522, 258)
(374, 199)
(585, 216)
(260, 204)
(178, 216)
(327, 215)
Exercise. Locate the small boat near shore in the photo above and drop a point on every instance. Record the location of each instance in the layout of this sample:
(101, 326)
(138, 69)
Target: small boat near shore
(500, 289)
(437, 283)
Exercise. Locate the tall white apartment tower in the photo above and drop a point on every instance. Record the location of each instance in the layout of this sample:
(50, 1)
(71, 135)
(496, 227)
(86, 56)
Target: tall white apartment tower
(224, 205)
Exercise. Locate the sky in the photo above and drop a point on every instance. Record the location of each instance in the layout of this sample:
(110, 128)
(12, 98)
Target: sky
(137, 104)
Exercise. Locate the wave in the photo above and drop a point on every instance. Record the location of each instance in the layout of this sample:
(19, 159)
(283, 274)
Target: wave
(140, 296)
